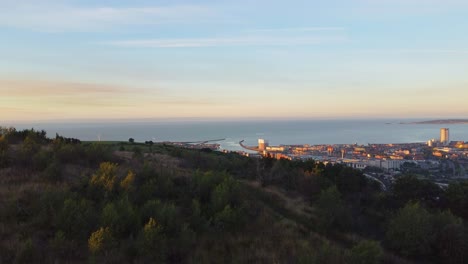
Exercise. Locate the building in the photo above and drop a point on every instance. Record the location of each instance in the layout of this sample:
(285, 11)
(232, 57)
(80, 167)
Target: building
(262, 144)
(431, 143)
(444, 136)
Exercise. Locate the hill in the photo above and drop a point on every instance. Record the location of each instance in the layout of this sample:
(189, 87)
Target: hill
(69, 201)
(442, 122)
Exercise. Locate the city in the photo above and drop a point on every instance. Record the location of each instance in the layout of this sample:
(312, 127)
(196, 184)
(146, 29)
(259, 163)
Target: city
(439, 160)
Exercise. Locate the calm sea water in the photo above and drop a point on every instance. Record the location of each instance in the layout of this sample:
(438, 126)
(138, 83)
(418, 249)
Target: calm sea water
(277, 132)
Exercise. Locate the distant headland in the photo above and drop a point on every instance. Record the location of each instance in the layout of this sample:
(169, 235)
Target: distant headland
(439, 122)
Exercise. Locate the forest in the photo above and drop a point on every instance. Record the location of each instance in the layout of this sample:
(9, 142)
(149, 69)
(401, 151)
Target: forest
(67, 201)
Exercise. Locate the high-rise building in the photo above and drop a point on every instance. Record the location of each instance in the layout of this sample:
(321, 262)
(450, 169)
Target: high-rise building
(262, 144)
(444, 136)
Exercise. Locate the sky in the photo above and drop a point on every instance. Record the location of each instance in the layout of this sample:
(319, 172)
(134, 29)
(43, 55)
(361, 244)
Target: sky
(243, 59)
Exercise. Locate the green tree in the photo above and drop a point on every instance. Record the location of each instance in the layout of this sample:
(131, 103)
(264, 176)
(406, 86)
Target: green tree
(97, 153)
(58, 244)
(53, 172)
(197, 221)
(31, 144)
(4, 147)
(225, 194)
(76, 218)
(449, 238)
(410, 231)
(331, 209)
(41, 160)
(131, 140)
(120, 217)
(153, 242)
(138, 153)
(28, 149)
(409, 188)
(228, 218)
(456, 196)
(366, 252)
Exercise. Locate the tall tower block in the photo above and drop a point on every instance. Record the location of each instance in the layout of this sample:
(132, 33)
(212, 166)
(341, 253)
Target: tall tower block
(444, 136)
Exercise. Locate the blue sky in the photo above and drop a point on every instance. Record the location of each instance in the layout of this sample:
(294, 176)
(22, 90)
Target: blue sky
(64, 59)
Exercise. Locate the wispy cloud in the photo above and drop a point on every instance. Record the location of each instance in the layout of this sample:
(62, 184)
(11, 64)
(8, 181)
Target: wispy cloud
(58, 17)
(40, 88)
(258, 37)
(385, 8)
(298, 29)
(419, 51)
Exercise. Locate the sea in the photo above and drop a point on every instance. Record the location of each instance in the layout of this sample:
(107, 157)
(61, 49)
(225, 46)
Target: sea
(277, 132)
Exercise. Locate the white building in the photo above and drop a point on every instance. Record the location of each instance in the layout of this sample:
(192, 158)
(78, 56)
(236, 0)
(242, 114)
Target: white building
(262, 144)
(444, 136)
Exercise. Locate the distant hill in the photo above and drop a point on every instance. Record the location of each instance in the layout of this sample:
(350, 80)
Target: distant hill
(441, 122)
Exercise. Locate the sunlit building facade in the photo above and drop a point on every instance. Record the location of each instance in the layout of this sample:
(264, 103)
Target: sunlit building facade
(444, 136)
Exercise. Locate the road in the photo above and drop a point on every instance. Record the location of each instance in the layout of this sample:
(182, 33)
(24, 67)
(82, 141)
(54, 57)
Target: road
(384, 187)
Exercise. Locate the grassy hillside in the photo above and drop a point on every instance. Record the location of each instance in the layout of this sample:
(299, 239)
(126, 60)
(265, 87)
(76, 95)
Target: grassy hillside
(73, 202)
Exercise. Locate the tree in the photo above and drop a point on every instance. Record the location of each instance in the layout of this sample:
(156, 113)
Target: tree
(366, 252)
(449, 238)
(76, 218)
(409, 188)
(225, 194)
(228, 218)
(138, 153)
(331, 209)
(120, 217)
(410, 231)
(153, 242)
(456, 197)
(53, 172)
(105, 176)
(127, 182)
(101, 241)
(197, 220)
(4, 147)
(131, 140)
